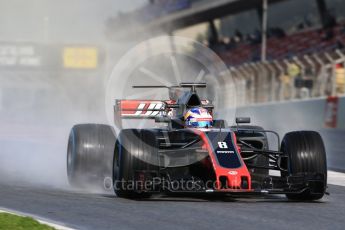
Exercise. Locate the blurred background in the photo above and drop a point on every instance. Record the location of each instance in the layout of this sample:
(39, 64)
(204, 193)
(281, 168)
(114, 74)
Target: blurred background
(287, 58)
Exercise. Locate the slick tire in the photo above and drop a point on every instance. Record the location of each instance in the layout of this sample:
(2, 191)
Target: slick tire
(136, 155)
(307, 154)
(89, 155)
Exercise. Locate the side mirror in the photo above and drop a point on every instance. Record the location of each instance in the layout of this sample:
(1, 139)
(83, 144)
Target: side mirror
(242, 120)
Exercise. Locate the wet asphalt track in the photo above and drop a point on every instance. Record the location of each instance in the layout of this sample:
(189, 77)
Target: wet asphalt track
(94, 211)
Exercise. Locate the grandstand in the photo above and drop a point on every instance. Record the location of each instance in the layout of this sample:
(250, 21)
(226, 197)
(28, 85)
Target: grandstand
(300, 43)
(304, 56)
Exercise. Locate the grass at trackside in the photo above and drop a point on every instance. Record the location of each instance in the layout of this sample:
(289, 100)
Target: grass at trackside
(9, 222)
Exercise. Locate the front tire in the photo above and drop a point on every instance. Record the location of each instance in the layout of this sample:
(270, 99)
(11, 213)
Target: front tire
(136, 155)
(307, 154)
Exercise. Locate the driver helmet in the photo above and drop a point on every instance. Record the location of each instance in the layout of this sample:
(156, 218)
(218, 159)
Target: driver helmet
(198, 118)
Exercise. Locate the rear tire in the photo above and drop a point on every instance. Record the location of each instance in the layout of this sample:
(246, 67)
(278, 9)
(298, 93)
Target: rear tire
(89, 154)
(307, 154)
(135, 152)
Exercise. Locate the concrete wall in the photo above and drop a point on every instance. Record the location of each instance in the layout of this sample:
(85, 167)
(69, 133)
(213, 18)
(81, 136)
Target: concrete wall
(303, 115)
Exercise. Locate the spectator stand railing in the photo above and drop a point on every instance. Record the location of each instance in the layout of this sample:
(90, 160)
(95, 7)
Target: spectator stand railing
(300, 77)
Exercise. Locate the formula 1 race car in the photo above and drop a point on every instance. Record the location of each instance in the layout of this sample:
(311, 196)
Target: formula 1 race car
(193, 153)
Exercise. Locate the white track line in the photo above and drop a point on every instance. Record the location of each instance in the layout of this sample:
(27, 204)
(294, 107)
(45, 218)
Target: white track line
(336, 178)
(41, 220)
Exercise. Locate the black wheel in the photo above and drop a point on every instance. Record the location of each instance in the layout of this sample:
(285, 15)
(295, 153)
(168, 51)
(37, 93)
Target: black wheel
(89, 154)
(135, 161)
(307, 154)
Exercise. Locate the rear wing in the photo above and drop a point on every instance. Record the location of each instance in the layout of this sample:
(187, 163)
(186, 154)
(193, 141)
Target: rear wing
(150, 109)
(140, 109)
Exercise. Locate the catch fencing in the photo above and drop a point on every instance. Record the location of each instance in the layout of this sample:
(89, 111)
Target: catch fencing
(300, 77)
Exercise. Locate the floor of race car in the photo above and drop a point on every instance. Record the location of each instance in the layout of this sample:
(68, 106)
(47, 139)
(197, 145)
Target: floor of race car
(98, 211)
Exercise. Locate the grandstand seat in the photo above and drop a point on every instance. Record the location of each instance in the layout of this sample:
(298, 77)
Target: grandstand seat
(278, 48)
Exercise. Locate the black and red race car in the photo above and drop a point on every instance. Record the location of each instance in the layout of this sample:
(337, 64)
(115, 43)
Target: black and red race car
(173, 158)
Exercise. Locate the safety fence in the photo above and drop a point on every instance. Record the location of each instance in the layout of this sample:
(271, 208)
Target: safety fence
(300, 77)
